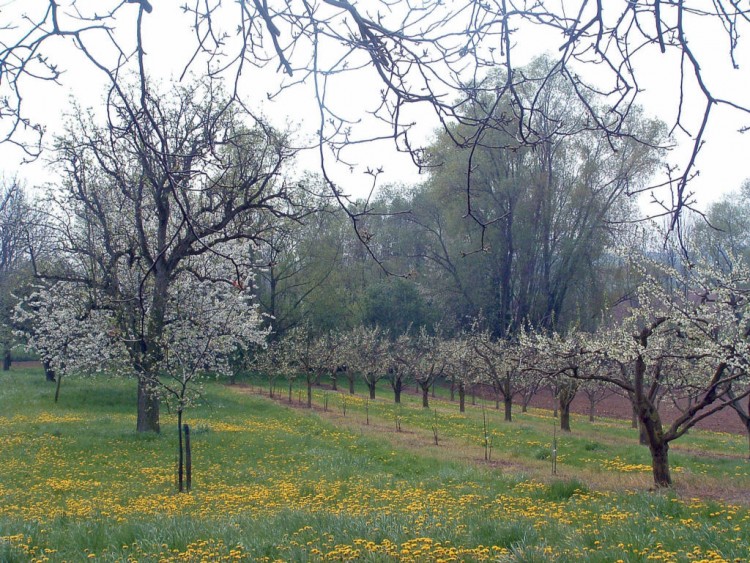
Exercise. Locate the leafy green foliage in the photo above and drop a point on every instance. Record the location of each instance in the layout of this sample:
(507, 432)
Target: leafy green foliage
(396, 305)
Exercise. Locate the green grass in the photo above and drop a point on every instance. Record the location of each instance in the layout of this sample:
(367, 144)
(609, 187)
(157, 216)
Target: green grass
(605, 451)
(271, 482)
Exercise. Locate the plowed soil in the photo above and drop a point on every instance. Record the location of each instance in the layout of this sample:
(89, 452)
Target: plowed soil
(617, 406)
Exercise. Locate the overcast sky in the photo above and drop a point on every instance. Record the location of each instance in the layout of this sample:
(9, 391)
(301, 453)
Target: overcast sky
(722, 162)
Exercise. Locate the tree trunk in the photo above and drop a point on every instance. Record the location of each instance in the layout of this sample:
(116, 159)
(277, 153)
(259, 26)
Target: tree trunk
(508, 402)
(49, 373)
(180, 453)
(425, 395)
(309, 394)
(461, 397)
(592, 407)
(333, 382)
(527, 399)
(290, 392)
(148, 407)
(57, 387)
(397, 385)
(371, 386)
(660, 463)
(453, 391)
(642, 437)
(634, 419)
(744, 416)
(151, 353)
(351, 386)
(6, 361)
(188, 460)
(565, 416)
(651, 430)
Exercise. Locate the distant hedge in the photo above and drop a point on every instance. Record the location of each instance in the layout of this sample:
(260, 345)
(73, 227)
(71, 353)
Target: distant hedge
(21, 354)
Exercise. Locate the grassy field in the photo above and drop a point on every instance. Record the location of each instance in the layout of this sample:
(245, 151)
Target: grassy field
(279, 483)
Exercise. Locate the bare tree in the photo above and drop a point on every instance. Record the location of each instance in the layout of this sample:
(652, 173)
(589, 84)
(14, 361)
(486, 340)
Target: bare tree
(432, 53)
(295, 263)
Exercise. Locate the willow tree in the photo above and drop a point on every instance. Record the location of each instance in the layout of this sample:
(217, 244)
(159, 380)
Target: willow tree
(543, 211)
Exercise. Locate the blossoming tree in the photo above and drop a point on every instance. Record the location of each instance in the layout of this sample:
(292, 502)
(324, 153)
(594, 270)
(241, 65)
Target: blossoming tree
(153, 219)
(367, 349)
(686, 334)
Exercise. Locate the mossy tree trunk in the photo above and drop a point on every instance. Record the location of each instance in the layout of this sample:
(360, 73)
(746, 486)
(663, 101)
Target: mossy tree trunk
(425, 386)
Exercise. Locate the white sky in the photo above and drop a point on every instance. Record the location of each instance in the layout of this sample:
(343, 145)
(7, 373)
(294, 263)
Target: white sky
(722, 161)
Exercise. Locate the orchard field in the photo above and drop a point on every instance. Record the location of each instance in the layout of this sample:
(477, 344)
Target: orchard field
(351, 480)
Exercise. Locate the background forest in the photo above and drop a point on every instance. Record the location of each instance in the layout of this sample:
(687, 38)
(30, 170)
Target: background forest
(531, 236)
